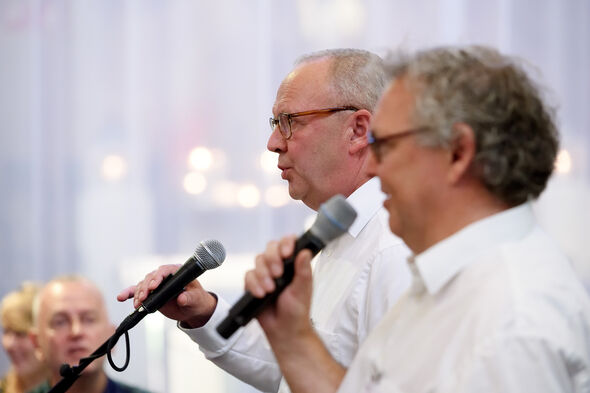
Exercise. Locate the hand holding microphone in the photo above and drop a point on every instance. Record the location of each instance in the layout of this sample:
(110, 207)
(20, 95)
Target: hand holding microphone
(163, 288)
(334, 218)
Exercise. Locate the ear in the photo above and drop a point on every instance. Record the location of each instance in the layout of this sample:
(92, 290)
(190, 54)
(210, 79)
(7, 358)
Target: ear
(34, 337)
(358, 128)
(461, 152)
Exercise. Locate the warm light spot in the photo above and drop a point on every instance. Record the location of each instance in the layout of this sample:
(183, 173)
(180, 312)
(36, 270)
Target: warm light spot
(114, 168)
(224, 193)
(277, 196)
(269, 161)
(194, 183)
(200, 158)
(248, 196)
(563, 162)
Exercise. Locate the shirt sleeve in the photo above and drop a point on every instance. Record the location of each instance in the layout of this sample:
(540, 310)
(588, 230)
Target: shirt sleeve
(521, 364)
(246, 354)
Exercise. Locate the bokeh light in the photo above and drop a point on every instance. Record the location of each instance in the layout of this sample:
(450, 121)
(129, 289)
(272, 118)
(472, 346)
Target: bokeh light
(194, 183)
(114, 167)
(200, 158)
(563, 162)
(248, 196)
(277, 196)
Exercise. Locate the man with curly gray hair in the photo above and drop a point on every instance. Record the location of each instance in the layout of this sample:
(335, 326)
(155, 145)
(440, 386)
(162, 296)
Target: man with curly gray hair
(462, 142)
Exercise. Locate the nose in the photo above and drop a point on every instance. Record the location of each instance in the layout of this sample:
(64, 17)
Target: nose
(276, 143)
(76, 327)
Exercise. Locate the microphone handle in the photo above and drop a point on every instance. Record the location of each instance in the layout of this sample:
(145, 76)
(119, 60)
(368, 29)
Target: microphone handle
(172, 285)
(249, 306)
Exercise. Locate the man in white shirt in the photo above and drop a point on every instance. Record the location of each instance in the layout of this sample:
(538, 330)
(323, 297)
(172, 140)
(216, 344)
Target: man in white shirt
(320, 122)
(462, 142)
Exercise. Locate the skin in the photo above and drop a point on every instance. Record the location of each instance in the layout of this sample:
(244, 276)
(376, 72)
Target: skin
(326, 155)
(72, 323)
(21, 351)
(421, 212)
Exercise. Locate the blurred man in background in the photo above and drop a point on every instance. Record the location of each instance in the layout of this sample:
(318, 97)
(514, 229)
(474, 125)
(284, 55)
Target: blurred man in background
(462, 142)
(71, 322)
(320, 122)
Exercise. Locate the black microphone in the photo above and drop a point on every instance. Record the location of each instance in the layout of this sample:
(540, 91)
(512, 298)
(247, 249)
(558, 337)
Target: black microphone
(333, 219)
(208, 255)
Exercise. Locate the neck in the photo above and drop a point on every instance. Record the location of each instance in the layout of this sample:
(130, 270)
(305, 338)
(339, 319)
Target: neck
(25, 382)
(452, 216)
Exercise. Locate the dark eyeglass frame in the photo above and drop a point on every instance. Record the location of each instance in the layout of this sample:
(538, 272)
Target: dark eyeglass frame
(283, 120)
(378, 144)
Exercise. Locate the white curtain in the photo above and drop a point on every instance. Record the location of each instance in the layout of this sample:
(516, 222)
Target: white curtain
(102, 101)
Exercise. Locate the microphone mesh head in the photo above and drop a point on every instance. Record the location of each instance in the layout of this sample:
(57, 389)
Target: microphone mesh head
(210, 254)
(334, 218)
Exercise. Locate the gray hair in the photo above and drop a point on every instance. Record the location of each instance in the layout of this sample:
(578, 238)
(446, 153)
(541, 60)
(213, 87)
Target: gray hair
(516, 136)
(357, 75)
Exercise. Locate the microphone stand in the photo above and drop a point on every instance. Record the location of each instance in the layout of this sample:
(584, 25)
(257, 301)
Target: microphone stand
(71, 374)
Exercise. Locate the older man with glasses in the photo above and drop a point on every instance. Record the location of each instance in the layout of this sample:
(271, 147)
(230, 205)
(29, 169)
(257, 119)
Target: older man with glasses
(462, 142)
(320, 122)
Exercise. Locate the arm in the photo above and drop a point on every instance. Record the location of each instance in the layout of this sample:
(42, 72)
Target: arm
(305, 362)
(247, 355)
(193, 307)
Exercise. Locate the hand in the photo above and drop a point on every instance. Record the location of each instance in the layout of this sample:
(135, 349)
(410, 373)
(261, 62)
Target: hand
(193, 307)
(289, 316)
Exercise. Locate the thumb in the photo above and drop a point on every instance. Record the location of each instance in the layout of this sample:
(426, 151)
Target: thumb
(302, 284)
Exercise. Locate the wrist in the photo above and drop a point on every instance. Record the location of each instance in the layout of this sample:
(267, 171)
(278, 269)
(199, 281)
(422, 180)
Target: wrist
(206, 310)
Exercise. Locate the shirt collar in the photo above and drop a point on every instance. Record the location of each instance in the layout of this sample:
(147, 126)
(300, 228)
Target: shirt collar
(440, 263)
(366, 200)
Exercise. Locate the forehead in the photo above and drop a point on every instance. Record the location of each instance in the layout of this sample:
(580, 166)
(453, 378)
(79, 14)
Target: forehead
(71, 297)
(305, 87)
(395, 109)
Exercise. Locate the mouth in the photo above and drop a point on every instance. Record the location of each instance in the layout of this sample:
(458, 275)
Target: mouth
(284, 171)
(77, 353)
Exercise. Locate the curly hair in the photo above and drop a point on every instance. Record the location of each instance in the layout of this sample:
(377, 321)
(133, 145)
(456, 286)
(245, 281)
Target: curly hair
(358, 76)
(515, 132)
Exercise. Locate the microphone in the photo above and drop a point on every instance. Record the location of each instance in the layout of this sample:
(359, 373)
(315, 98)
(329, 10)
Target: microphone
(208, 255)
(333, 219)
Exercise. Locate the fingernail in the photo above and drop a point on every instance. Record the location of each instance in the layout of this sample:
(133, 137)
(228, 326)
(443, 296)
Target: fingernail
(276, 271)
(269, 284)
(151, 284)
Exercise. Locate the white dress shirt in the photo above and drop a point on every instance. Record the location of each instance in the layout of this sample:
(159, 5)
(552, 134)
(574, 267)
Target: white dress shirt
(495, 307)
(356, 279)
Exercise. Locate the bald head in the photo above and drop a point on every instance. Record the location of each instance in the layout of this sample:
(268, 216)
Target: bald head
(71, 322)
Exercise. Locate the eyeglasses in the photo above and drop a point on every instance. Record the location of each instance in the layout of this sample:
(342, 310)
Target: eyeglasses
(378, 144)
(283, 120)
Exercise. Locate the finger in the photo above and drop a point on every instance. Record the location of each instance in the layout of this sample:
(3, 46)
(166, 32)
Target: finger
(126, 293)
(302, 281)
(252, 285)
(262, 273)
(272, 258)
(287, 246)
(151, 281)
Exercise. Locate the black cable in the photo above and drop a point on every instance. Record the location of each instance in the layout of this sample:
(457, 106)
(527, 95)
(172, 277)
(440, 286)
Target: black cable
(112, 342)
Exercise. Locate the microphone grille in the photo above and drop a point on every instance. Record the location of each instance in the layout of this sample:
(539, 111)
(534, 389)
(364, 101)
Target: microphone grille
(210, 254)
(334, 218)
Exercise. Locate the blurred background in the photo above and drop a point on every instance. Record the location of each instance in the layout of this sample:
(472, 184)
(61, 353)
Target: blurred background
(130, 130)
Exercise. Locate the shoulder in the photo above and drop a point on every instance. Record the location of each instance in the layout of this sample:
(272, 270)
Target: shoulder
(119, 387)
(41, 388)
